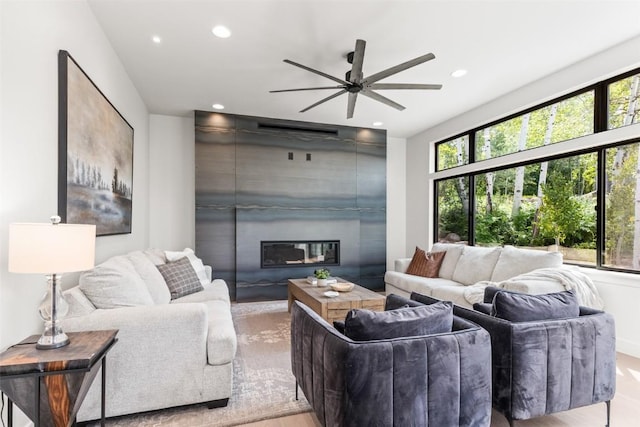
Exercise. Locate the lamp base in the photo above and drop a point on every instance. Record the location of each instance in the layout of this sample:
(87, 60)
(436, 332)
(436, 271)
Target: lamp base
(50, 340)
(52, 306)
(49, 343)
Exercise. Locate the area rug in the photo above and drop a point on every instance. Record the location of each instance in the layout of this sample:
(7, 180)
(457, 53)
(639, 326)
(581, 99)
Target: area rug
(263, 385)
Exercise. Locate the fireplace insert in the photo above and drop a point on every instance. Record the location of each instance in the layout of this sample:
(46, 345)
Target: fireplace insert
(299, 253)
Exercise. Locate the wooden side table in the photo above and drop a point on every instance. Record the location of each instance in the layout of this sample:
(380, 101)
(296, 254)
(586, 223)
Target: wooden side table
(50, 385)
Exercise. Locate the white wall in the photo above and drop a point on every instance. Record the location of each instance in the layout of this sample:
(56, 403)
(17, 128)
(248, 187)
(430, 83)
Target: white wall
(396, 200)
(621, 292)
(32, 32)
(172, 182)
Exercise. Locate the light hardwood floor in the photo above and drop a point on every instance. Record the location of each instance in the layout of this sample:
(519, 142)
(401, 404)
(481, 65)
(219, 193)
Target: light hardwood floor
(625, 407)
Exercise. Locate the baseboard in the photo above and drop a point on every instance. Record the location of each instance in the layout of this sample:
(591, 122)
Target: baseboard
(628, 347)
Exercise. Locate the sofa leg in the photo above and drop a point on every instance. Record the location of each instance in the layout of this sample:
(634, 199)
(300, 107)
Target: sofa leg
(608, 402)
(217, 403)
(297, 390)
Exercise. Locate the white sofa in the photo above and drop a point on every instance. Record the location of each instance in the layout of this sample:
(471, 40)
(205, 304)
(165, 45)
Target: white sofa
(464, 266)
(169, 352)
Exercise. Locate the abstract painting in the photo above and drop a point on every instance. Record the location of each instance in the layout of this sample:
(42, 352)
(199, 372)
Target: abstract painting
(95, 154)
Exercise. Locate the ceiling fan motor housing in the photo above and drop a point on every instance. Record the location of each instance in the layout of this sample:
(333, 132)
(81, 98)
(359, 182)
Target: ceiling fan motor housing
(355, 84)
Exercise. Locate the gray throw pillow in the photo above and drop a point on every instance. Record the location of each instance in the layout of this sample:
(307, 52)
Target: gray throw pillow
(181, 278)
(394, 302)
(364, 325)
(517, 307)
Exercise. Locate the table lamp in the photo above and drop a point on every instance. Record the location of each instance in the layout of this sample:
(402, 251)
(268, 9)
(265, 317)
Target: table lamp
(51, 249)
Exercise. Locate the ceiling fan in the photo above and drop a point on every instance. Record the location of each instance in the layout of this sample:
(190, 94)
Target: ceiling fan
(354, 83)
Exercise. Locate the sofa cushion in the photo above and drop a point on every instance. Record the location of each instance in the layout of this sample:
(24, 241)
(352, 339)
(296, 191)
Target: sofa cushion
(409, 283)
(475, 264)
(517, 307)
(151, 277)
(180, 277)
(455, 294)
(214, 291)
(425, 264)
(450, 259)
(115, 283)
(156, 256)
(363, 325)
(196, 262)
(514, 261)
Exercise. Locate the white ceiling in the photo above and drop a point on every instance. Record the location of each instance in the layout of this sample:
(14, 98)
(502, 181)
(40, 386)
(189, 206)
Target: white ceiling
(503, 44)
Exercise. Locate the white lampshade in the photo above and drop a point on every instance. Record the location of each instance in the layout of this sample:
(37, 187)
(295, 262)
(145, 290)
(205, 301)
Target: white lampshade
(49, 248)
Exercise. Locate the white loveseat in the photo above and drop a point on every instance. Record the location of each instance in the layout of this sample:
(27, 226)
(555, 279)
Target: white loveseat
(169, 352)
(464, 266)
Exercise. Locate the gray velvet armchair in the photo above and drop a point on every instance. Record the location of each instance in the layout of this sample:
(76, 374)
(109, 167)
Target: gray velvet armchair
(543, 367)
(430, 380)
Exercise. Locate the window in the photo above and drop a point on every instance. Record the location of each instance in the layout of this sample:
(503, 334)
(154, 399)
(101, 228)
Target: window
(453, 210)
(453, 153)
(624, 107)
(551, 201)
(566, 119)
(622, 208)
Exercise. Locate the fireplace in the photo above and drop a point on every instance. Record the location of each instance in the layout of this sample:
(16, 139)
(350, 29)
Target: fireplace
(299, 253)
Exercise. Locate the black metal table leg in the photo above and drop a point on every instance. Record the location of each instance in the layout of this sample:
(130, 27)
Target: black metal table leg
(9, 412)
(102, 400)
(36, 422)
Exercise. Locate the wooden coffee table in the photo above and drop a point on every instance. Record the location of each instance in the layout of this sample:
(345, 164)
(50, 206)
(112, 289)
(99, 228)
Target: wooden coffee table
(335, 308)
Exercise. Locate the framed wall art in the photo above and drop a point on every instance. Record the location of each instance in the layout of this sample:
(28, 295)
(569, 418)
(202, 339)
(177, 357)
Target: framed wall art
(95, 154)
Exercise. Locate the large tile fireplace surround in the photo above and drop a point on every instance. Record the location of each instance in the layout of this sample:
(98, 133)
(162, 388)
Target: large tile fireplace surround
(287, 183)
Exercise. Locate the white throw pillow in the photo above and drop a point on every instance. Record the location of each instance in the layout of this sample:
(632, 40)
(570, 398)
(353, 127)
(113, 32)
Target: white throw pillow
(448, 266)
(115, 283)
(151, 277)
(515, 261)
(196, 262)
(79, 304)
(475, 264)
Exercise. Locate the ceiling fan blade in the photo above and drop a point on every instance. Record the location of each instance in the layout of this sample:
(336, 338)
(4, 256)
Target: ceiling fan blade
(307, 88)
(351, 105)
(382, 86)
(358, 59)
(373, 95)
(320, 73)
(400, 67)
(324, 100)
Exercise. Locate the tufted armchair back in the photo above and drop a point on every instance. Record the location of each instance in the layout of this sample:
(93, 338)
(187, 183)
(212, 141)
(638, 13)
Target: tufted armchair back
(432, 380)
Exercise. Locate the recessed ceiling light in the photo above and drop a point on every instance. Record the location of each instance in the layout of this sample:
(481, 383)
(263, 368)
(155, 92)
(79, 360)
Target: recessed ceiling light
(218, 106)
(459, 73)
(156, 39)
(221, 31)
(378, 123)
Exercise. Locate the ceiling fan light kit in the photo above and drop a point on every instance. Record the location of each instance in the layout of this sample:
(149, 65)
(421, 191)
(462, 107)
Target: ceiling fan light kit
(354, 83)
